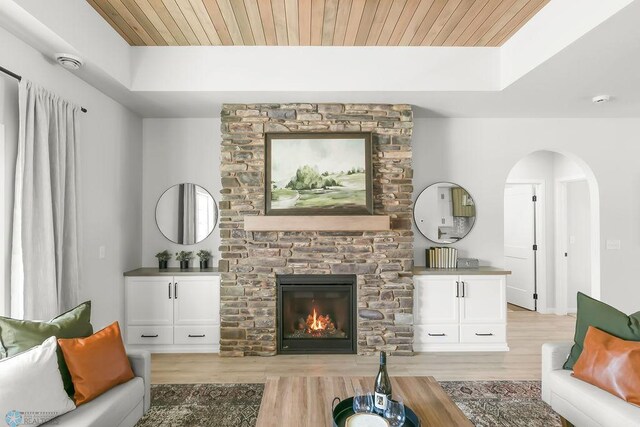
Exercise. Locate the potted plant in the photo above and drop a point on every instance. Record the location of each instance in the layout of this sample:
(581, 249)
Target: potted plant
(184, 257)
(163, 259)
(204, 256)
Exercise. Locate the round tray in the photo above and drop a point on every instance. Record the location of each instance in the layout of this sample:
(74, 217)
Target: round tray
(344, 409)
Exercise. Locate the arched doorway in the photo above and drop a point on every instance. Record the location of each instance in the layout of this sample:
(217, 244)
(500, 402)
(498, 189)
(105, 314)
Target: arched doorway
(551, 232)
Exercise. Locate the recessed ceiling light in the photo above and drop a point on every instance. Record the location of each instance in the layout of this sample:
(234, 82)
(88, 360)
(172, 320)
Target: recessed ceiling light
(601, 99)
(69, 61)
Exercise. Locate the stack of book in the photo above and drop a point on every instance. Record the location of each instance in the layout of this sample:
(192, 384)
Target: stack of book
(439, 257)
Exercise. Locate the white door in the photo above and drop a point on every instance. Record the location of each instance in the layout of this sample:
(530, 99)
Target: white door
(578, 241)
(518, 244)
(197, 300)
(482, 299)
(149, 300)
(435, 300)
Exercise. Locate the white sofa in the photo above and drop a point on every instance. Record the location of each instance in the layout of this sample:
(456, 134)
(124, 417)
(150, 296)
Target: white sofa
(122, 406)
(578, 402)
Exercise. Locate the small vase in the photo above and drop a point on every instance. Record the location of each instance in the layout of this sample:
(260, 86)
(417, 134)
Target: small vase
(204, 264)
(184, 265)
(162, 265)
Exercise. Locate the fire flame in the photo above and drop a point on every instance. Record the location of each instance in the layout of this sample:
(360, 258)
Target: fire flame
(316, 322)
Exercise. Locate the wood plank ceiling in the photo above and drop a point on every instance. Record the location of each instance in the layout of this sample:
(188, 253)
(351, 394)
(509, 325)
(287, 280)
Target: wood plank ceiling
(317, 22)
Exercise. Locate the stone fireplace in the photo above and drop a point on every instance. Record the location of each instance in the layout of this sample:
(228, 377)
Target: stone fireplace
(251, 261)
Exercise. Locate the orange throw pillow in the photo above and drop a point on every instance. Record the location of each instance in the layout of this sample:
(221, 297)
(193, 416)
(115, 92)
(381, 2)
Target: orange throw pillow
(610, 363)
(97, 363)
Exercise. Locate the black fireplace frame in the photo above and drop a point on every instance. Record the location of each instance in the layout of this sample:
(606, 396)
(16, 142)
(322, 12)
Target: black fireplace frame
(318, 282)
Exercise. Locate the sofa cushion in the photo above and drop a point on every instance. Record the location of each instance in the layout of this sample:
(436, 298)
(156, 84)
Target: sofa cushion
(97, 363)
(610, 363)
(592, 312)
(17, 336)
(109, 409)
(587, 405)
(31, 390)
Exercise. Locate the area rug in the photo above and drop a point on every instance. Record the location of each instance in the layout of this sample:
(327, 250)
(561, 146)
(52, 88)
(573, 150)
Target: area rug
(502, 403)
(485, 403)
(203, 405)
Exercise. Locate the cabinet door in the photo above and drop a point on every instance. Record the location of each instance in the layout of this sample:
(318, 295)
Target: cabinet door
(483, 299)
(149, 301)
(435, 299)
(197, 300)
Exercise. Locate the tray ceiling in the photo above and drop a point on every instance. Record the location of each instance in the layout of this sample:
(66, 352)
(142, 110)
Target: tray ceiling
(317, 22)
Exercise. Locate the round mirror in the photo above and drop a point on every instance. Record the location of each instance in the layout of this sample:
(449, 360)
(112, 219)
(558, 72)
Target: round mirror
(186, 214)
(444, 212)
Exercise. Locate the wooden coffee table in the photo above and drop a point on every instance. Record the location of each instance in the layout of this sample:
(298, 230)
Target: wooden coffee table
(306, 401)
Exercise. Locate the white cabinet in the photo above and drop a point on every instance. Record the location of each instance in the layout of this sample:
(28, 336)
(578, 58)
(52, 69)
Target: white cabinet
(482, 299)
(196, 301)
(437, 302)
(149, 301)
(460, 312)
(178, 313)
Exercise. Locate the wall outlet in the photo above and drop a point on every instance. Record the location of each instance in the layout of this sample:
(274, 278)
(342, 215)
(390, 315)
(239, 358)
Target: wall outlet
(613, 245)
(102, 252)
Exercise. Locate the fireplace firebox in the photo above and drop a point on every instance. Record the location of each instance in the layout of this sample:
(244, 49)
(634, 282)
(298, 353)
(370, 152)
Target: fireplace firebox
(316, 313)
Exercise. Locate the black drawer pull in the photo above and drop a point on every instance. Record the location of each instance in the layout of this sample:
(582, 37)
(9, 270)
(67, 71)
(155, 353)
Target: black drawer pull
(149, 336)
(196, 336)
(437, 335)
(484, 335)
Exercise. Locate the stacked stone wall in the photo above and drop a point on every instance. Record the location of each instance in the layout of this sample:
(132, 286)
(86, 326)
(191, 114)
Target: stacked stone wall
(250, 261)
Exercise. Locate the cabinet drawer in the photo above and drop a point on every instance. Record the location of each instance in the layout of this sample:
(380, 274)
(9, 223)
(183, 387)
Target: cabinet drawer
(483, 333)
(432, 334)
(197, 335)
(150, 335)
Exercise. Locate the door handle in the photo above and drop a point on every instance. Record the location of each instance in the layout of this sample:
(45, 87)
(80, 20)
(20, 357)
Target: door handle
(169, 290)
(484, 335)
(463, 291)
(196, 336)
(149, 336)
(457, 289)
(175, 290)
(437, 335)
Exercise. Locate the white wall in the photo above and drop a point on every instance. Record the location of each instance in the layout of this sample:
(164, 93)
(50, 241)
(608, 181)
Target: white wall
(564, 168)
(5, 302)
(479, 153)
(111, 189)
(177, 151)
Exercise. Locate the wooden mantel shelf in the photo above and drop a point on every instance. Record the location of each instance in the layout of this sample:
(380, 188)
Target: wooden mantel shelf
(318, 223)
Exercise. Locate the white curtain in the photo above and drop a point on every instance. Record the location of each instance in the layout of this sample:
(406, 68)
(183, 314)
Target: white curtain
(45, 267)
(187, 214)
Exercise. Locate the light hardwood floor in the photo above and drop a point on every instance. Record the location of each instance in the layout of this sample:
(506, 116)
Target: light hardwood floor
(527, 331)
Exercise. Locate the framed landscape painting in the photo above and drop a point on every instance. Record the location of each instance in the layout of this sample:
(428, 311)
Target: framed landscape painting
(318, 174)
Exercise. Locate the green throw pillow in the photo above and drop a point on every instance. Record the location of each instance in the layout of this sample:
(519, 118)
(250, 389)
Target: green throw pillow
(17, 336)
(592, 312)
